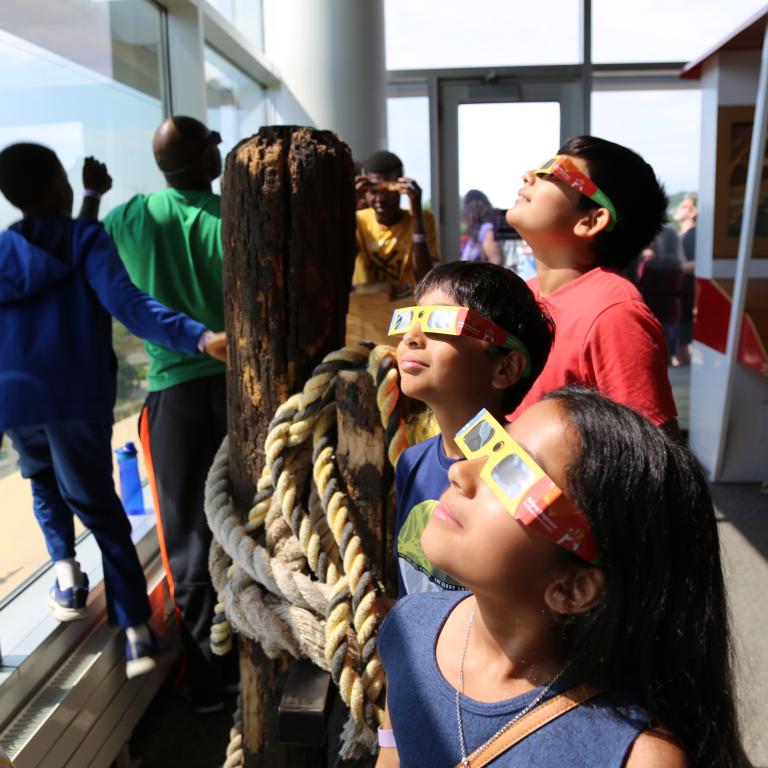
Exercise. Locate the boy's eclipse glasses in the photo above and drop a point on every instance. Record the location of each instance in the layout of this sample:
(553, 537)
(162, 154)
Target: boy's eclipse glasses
(456, 321)
(524, 488)
(563, 168)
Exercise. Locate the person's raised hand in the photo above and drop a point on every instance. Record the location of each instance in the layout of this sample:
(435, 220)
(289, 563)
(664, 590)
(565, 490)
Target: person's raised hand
(362, 183)
(96, 176)
(216, 346)
(409, 187)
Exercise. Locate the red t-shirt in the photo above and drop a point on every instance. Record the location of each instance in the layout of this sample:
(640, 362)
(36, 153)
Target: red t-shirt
(606, 338)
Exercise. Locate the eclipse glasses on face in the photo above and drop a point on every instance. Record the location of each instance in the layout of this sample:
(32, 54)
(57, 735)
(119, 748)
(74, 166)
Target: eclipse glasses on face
(524, 488)
(563, 168)
(456, 321)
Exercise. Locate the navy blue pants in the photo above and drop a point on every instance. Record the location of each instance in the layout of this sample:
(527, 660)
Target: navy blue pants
(70, 468)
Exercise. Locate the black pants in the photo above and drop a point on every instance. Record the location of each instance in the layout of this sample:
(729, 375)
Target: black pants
(181, 428)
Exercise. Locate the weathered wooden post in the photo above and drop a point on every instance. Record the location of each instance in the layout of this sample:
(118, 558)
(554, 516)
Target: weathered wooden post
(366, 471)
(288, 229)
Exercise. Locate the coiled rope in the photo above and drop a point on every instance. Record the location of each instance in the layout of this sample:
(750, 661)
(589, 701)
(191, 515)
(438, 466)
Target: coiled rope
(264, 590)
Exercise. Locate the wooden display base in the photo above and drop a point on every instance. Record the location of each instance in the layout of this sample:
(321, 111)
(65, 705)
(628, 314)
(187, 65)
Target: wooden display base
(369, 314)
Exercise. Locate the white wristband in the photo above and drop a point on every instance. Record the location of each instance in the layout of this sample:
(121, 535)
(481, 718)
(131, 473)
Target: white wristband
(419, 237)
(94, 193)
(205, 337)
(386, 737)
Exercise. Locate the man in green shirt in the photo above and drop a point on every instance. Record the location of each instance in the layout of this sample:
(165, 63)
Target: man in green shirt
(170, 243)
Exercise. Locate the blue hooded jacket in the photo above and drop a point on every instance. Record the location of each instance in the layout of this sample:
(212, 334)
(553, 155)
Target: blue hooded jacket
(60, 280)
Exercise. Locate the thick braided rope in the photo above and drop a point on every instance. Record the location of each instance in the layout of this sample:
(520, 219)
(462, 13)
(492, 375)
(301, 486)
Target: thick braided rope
(382, 365)
(292, 424)
(278, 627)
(235, 754)
(290, 427)
(282, 577)
(357, 582)
(271, 620)
(353, 598)
(354, 685)
(293, 421)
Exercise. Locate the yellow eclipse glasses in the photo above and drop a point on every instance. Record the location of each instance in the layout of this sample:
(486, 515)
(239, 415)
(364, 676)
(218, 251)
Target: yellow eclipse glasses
(456, 321)
(563, 168)
(524, 488)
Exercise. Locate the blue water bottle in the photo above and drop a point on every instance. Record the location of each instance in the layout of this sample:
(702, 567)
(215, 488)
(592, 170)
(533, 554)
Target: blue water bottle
(130, 482)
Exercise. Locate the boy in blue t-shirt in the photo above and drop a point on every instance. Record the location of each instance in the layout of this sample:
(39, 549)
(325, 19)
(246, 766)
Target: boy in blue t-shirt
(456, 376)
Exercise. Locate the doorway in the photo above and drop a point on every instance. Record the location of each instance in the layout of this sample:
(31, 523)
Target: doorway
(489, 133)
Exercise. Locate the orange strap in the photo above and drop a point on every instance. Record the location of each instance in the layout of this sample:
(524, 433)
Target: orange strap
(545, 713)
(149, 464)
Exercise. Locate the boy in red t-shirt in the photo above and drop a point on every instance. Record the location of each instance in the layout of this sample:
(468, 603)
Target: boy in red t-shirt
(587, 213)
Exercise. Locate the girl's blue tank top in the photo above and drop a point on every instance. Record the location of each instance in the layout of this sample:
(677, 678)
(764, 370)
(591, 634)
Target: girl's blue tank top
(423, 711)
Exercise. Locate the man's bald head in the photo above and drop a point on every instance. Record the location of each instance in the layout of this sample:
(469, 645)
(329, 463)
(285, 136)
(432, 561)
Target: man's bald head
(186, 152)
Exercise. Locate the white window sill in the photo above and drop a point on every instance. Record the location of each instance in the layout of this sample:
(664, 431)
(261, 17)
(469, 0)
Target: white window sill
(37, 649)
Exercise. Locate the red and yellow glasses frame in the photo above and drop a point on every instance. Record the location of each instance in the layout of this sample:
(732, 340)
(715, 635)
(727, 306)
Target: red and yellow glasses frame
(524, 488)
(456, 321)
(563, 168)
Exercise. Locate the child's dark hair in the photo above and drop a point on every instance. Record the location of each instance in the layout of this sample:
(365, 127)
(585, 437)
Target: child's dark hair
(25, 171)
(632, 186)
(661, 631)
(501, 296)
(385, 164)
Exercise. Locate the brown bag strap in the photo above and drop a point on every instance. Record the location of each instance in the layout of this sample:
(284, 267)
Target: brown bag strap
(545, 713)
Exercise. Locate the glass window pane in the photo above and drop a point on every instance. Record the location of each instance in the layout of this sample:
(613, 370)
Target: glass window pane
(662, 126)
(497, 142)
(119, 40)
(657, 30)
(79, 111)
(246, 15)
(237, 104)
(84, 79)
(452, 33)
(408, 138)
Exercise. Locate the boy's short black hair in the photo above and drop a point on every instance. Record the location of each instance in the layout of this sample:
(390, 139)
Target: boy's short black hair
(501, 296)
(25, 171)
(631, 184)
(385, 164)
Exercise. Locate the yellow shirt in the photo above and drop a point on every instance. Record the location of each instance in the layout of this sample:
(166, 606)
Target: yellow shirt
(384, 252)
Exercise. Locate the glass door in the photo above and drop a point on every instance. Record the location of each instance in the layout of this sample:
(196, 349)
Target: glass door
(489, 134)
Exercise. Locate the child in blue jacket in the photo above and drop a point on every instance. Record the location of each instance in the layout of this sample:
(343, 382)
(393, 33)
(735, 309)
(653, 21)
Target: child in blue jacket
(61, 282)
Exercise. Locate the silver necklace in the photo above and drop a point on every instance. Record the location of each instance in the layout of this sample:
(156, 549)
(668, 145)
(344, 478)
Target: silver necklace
(460, 690)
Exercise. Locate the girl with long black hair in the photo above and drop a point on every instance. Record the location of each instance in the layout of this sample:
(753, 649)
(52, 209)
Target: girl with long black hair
(588, 541)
